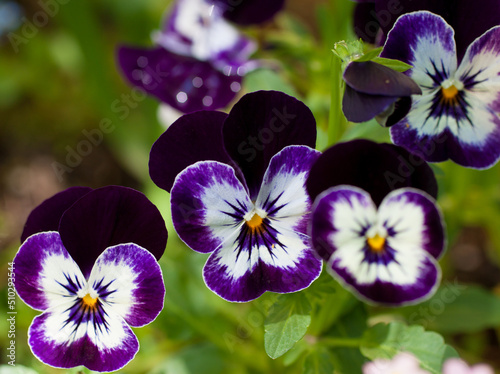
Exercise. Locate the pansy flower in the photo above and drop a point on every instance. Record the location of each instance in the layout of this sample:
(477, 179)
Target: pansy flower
(89, 262)
(381, 241)
(456, 117)
(237, 184)
(373, 19)
(198, 60)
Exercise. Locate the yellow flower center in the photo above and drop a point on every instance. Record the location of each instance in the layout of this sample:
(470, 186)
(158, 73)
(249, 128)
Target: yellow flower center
(450, 93)
(89, 300)
(255, 222)
(376, 243)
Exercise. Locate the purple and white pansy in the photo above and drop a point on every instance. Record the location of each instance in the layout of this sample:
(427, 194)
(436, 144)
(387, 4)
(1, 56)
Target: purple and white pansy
(237, 184)
(456, 117)
(89, 262)
(381, 241)
(198, 60)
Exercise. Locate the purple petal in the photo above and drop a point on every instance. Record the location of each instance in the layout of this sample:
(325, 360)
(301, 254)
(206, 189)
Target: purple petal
(249, 12)
(375, 168)
(193, 137)
(360, 107)
(425, 41)
(46, 216)
(183, 82)
(109, 216)
(385, 256)
(260, 125)
(372, 78)
(65, 337)
(479, 17)
(130, 282)
(208, 203)
(45, 273)
(280, 273)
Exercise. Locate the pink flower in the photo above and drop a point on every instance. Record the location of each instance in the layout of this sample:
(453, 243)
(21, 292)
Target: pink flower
(403, 363)
(457, 366)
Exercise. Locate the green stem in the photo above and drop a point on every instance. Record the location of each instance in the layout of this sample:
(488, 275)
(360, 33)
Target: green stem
(337, 123)
(341, 342)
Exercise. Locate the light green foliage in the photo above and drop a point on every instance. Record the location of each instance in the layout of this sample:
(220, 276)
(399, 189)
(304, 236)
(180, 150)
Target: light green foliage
(286, 323)
(387, 340)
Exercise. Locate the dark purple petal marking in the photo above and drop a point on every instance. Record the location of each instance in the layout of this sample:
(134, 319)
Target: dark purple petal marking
(109, 216)
(375, 168)
(185, 83)
(74, 334)
(260, 125)
(128, 279)
(386, 256)
(46, 216)
(46, 275)
(193, 137)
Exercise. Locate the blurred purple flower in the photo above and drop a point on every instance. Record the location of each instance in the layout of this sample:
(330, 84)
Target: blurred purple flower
(198, 60)
(88, 263)
(237, 184)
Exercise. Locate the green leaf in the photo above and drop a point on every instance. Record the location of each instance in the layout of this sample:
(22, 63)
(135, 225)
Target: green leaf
(370, 55)
(393, 64)
(387, 340)
(265, 79)
(287, 323)
(454, 309)
(319, 361)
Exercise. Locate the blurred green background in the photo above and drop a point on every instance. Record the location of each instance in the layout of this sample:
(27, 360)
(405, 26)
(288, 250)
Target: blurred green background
(59, 83)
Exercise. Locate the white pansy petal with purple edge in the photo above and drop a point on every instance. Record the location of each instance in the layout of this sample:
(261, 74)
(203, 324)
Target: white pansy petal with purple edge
(68, 335)
(208, 205)
(457, 116)
(271, 251)
(45, 273)
(386, 256)
(127, 279)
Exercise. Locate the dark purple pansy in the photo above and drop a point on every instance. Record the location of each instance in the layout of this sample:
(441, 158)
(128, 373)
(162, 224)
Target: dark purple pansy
(385, 255)
(198, 60)
(470, 19)
(237, 186)
(375, 168)
(88, 262)
(248, 12)
(456, 117)
(376, 91)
